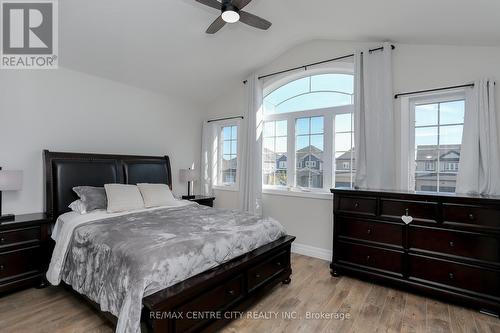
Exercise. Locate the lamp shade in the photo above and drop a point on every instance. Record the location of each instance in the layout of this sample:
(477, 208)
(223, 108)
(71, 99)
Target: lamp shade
(188, 175)
(11, 180)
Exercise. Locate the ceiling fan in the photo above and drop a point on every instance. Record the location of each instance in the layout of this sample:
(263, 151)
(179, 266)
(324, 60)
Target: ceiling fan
(231, 12)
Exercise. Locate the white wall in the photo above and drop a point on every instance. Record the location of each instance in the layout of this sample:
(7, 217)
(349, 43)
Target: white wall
(415, 67)
(63, 110)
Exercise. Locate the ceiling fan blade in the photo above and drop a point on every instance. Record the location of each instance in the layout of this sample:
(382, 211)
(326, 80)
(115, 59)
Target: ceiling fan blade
(216, 25)
(211, 3)
(254, 20)
(240, 4)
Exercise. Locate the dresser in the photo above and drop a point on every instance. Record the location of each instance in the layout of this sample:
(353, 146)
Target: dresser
(444, 246)
(23, 252)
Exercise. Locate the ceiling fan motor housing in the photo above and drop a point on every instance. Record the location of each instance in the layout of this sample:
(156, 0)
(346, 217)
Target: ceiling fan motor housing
(228, 6)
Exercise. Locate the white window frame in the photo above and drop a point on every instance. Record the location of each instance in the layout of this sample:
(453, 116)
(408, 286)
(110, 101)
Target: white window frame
(218, 185)
(407, 167)
(328, 135)
(329, 145)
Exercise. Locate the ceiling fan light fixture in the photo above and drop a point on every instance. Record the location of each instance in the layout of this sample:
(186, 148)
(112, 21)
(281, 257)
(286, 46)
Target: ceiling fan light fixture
(230, 14)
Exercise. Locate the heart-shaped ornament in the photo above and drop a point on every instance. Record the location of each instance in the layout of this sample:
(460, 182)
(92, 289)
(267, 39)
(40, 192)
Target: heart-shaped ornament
(407, 219)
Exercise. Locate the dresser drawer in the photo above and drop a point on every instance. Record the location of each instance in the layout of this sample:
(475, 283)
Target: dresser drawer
(357, 205)
(19, 262)
(473, 215)
(463, 244)
(373, 231)
(387, 260)
(466, 277)
(217, 299)
(19, 236)
(420, 211)
(267, 270)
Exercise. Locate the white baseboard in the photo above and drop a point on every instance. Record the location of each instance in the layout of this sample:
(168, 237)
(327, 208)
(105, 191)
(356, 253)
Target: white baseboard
(312, 251)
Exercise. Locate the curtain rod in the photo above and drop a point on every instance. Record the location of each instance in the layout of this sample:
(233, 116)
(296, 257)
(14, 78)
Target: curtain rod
(469, 85)
(228, 118)
(316, 63)
(436, 89)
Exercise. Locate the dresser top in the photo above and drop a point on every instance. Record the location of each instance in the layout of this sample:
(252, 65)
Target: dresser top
(423, 195)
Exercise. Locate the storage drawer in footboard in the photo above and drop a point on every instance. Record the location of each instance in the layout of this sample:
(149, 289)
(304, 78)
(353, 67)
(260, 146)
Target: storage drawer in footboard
(265, 271)
(192, 316)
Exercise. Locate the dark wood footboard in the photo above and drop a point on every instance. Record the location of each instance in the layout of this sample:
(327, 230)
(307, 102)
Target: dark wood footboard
(208, 300)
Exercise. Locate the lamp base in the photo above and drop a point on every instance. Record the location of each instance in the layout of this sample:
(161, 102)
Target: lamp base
(8, 217)
(188, 197)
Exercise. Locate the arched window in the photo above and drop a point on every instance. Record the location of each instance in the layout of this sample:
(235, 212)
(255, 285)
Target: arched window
(308, 139)
(311, 92)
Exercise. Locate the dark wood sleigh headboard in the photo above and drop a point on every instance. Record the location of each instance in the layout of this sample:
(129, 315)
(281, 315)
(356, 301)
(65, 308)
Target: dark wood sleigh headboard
(63, 171)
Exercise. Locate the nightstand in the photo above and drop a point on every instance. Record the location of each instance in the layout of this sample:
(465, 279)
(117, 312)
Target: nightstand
(202, 200)
(24, 251)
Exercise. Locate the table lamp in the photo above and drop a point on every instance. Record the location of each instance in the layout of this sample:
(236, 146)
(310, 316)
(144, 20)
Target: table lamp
(10, 180)
(188, 175)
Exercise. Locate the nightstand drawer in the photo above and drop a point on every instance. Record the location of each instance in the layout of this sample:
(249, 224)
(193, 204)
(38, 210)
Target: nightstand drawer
(19, 236)
(19, 262)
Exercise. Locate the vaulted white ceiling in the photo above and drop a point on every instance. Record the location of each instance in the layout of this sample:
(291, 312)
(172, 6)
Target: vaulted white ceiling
(160, 45)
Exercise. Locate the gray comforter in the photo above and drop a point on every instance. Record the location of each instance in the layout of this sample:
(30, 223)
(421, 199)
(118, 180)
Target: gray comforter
(117, 261)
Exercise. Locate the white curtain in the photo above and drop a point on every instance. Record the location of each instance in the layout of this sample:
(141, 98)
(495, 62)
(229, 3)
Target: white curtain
(251, 156)
(208, 157)
(374, 120)
(479, 168)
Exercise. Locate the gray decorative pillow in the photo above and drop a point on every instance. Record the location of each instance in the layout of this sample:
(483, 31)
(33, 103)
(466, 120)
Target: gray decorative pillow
(92, 197)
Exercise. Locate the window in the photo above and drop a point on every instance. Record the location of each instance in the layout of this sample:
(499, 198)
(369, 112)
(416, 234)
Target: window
(306, 123)
(309, 152)
(438, 126)
(228, 155)
(274, 155)
(344, 150)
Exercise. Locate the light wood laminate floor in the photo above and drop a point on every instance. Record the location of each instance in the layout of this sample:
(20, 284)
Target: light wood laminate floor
(371, 308)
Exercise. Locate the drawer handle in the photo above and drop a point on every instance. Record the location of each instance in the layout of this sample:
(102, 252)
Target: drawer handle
(472, 217)
(367, 258)
(2, 240)
(369, 231)
(451, 276)
(278, 264)
(2, 267)
(230, 292)
(257, 276)
(452, 244)
(356, 205)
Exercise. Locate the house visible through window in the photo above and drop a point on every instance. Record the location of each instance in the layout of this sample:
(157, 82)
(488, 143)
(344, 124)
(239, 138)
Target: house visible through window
(438, 138)
(228, 155)
(307, 127)
(344, 150)
(275, 153)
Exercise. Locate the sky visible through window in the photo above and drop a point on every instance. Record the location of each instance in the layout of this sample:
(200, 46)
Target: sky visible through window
(313, 92)
(438, 139)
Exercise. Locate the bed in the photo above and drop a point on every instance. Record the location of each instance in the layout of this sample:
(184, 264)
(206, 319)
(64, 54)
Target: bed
(207, 298)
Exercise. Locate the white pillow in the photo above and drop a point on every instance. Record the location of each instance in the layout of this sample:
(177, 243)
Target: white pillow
(155, 195)
(78, 206)
(122, 198)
